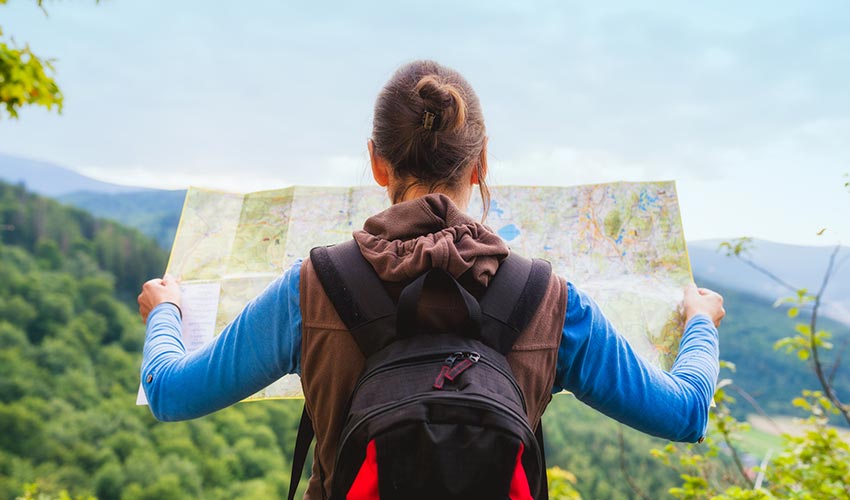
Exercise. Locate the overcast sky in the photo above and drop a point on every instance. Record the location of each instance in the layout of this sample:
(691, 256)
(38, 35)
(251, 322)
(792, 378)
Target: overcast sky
(745, 104)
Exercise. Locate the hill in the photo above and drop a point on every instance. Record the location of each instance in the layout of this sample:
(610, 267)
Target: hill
(50, 179)
(155, 213)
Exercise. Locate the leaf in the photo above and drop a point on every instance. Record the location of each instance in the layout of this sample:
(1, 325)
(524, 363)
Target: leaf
(784, 342)
(783, 300)
(803, 354)
(793, 312)
(801, 403)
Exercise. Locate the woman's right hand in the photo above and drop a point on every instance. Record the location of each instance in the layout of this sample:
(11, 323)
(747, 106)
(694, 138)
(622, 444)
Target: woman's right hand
(703, 301)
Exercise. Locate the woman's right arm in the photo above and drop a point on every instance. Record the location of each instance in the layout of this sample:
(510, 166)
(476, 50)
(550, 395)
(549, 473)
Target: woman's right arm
(259, 346)
(599, 366)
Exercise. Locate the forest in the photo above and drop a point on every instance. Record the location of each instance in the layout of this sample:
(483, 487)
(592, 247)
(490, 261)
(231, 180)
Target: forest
(70, 350)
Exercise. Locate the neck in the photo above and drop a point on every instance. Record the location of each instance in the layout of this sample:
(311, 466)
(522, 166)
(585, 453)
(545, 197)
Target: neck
(460, 197)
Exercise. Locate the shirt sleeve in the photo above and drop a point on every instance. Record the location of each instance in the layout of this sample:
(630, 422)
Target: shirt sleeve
(261, 345)
(597, 365)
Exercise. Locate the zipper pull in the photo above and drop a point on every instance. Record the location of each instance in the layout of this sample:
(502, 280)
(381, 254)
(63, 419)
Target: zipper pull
(469, 359)
(440, 381)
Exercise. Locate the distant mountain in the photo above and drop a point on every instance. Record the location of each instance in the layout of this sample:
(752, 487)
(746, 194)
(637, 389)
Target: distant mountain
(153, 212)
(49, 179)
(799, 266)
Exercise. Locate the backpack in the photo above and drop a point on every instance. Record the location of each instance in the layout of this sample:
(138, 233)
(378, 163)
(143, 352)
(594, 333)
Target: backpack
(435, 414)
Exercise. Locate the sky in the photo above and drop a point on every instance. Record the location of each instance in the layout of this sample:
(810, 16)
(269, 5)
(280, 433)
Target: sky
(744, 104)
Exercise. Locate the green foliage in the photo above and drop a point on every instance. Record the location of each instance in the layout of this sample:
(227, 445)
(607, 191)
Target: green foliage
(737, 247)
(813, 465)
(31, 492)
(77, 246)
(69, 361)
(585, 443)
(562, 484)
(25, 79)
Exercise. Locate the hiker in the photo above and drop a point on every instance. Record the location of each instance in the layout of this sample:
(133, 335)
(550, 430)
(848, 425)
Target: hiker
(428, 149)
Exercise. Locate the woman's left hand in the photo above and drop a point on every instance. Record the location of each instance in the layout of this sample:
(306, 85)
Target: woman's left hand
(157, 291)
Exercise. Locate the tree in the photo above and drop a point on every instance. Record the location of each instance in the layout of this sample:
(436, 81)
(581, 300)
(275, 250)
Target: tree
(25, 78)
(814, 465)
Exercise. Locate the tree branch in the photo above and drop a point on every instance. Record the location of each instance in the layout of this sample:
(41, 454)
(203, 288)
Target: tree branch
(827, 387)
(628, 477)
(768, 273)
(744, 394)
(728, 440)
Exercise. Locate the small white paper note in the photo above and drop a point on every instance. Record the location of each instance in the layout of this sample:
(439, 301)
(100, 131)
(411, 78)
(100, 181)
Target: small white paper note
(199, 304)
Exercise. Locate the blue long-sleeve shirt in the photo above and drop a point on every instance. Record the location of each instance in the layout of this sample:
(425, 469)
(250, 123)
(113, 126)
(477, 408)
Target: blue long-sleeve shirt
(594, 362)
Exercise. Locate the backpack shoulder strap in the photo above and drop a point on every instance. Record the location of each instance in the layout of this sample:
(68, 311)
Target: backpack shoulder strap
(299, 456)
(357, 294)
(512, 298)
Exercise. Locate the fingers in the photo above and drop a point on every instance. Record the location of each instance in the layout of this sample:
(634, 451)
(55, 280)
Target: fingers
(157, 291)
(700, 300)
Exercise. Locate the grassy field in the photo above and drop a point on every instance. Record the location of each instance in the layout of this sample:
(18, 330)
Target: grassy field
(765, 434)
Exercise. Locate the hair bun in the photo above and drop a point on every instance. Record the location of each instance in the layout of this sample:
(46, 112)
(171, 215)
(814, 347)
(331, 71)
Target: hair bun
(443, 99)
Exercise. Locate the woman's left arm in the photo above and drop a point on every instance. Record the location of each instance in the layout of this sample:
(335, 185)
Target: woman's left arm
(602, 370)
(261, 345)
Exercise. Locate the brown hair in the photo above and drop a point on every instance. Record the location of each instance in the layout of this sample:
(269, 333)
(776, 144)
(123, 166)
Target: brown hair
(428, 125)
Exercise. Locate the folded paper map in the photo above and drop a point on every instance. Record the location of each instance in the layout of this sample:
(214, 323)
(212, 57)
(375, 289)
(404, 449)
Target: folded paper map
(622, 243)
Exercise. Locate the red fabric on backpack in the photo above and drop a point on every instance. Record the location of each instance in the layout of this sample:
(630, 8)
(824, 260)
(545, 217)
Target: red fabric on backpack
(519, 481)
(365, 486)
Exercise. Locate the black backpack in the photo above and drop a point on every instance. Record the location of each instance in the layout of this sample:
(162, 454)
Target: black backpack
(434, 414)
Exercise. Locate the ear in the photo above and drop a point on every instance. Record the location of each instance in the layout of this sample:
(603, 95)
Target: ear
(482, 163)
(380, 168)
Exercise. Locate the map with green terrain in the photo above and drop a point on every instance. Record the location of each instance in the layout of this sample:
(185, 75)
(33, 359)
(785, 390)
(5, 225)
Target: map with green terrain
(622, 243)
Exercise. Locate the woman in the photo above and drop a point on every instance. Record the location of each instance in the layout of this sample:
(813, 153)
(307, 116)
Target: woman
(428, 149)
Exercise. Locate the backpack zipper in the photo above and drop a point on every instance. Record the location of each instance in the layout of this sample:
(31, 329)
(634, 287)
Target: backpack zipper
(436, 356)
(418, 361)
